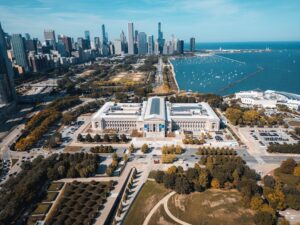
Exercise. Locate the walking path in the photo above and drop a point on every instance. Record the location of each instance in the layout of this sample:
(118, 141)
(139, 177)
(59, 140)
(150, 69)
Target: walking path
(164, 201)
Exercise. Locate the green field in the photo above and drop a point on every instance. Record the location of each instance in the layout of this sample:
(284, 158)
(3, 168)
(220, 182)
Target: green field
(211, 207)
(150, 194)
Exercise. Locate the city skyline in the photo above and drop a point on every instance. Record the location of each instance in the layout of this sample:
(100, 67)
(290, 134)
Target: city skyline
(215, 20)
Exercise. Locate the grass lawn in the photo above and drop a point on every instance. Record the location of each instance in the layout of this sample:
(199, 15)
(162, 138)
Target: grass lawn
(160, 217)
(55, 186)
(42, 208)
(14, 161)
(51, 196)
(288, 179)
(211, 207)
(150, 194)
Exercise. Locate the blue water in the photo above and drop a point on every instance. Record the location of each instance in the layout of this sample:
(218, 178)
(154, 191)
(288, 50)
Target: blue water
(228, 73)
(246, 45)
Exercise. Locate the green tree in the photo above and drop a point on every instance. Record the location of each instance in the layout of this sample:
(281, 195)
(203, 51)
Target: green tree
(264, 218)
(144, 148)
(288, 166)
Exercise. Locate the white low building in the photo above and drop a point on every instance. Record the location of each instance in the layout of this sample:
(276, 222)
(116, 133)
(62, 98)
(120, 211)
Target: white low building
(269, 99)
(155, 117)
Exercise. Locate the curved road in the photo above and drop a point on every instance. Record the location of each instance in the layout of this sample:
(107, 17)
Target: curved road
(165, 202)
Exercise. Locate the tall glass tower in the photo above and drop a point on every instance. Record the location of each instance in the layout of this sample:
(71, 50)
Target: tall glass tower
(7, 87)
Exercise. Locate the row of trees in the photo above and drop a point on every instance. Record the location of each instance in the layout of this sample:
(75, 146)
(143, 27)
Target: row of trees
(90, 107)
(40, 123)
(113, 166)
(102, 149)
(29, 186)
(214, 100)
(105, 138)
(172, 149)
(216, 151)
(193, 141)
(284, 148)
(239, 116)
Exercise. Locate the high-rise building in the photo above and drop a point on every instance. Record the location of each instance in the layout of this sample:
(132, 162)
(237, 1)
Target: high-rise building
(130, 39)
(104, 40)
(97, 42)
(192, 44)
(142, 43)
(161, 41)
(156, 48)
(27, 36)
(87, 39)
(7, 87)
(180, 46)
(150, 45)
(136, 34)
(18, 47)
(67, 43)
(118, 47)
(123, 41)
(50, 38)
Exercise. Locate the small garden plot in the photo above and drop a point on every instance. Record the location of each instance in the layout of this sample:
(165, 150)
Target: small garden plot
(42, 209)
(81, 203)
(51, 196)
(56, 186)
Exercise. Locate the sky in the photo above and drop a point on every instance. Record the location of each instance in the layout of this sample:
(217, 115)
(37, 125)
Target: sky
(206, 20)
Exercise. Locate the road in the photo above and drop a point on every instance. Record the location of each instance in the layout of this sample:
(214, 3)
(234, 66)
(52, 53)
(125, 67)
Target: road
(159, 73)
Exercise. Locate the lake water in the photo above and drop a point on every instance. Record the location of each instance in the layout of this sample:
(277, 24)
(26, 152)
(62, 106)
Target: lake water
(228, 73)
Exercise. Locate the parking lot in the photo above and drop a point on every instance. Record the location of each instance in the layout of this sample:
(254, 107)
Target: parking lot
(265, 137)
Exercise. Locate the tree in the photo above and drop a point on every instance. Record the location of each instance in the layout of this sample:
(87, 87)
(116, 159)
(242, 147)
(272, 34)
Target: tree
(178, 149)
(297, 171)
(97, 138)
(131, 148)
(203, 179)
(215, 183)
(269, 181)
(159, 176)
(263, 218)
(256, 202)
(125, 157)
(144, 148)
(172, 170)
(80, 138)
(233, 115)
(106, 138)
(89, 138)
(182, 185)
(288, 166)
(124, 138)
(115, 138)
(169, 180)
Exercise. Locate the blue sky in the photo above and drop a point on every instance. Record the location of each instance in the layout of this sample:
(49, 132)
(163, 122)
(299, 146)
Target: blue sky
(207, 20)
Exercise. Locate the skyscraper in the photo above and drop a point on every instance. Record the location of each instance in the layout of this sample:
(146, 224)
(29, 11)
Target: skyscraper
(97, 42)
(130, 39)
(7, 87)
(19, 51)
(192, 44)
(180, 46)
(67, 43)
(104, 40)
(160, 39)
(87, 39)
(118, 46)
(142, 43)
(150, 45)
(50, 38)
(123, 41)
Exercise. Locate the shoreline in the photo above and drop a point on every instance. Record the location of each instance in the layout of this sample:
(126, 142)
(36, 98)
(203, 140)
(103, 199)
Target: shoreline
(174, 75)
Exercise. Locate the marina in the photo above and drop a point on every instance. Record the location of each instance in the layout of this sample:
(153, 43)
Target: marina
(231, 72)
